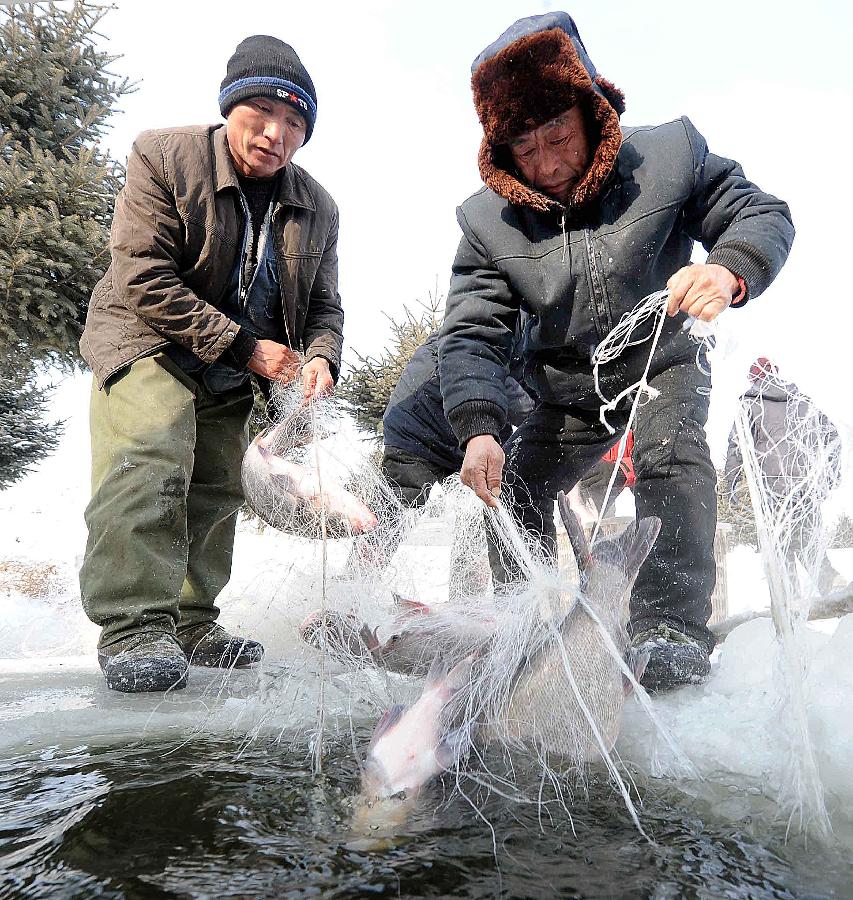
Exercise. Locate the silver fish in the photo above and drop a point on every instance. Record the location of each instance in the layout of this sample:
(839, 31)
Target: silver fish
(288, 496)
(411, 746)
(407, 644)
(573, 667)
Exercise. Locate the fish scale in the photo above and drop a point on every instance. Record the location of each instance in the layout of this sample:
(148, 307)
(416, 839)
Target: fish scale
(545, 707)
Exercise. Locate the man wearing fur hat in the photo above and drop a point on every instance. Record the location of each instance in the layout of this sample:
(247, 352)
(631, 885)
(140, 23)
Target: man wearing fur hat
(579, 219)
(224, 262)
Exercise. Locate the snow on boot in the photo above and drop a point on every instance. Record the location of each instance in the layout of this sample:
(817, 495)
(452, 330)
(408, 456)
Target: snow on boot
(674, 659)
(148, 661)
(209, 644)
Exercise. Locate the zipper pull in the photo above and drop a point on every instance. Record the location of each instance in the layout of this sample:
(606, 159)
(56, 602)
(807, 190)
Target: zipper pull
(565, 236)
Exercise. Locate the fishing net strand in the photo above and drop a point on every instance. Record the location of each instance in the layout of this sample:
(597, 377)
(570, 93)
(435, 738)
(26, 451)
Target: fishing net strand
(787, 484)
(503, 630)
(651, 307)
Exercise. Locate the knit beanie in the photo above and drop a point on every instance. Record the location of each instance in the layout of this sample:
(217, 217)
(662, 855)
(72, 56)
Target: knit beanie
(264, 66)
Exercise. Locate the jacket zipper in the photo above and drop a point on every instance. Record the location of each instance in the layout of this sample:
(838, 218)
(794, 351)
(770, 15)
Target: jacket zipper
(242, 288)
(245, 289)
(602, 309)
(290, 343)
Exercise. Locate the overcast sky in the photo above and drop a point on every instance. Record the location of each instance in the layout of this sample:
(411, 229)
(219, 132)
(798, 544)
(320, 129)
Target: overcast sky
(396, 136)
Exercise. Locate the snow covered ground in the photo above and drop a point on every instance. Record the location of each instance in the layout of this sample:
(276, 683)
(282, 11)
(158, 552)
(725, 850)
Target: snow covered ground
(733, 728)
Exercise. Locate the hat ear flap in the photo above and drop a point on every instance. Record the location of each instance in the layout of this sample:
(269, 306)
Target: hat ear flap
(611, 93)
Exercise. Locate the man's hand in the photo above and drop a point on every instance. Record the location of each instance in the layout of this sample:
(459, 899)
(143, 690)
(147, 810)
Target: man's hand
(274, 361)
(317, 379)
(482, 468)
(701, 291)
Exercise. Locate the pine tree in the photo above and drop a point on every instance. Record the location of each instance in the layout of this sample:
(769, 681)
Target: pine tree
(734, 508)
(57, 193)
(367, 386)
(24, 440)
(57, 187)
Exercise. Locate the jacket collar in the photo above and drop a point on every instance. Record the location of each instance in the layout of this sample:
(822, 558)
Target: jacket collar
(292, 187)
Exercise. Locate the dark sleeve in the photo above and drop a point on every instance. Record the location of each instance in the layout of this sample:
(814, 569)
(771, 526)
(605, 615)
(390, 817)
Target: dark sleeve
(476, 341)
(146, 243)
(241, 350)
(324, 321)
(742, 228)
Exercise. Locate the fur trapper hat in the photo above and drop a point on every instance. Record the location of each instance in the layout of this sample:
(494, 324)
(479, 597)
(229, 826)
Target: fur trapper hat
(537, 69)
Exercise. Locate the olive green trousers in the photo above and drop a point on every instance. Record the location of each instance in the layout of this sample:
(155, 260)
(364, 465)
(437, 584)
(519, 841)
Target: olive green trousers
(166, 490)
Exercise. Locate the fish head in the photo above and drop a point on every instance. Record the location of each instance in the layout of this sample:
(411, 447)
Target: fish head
(272, 438)
(412, 745)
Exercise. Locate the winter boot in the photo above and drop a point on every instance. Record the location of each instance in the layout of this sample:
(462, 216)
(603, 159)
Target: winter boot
(673, 659)
(209, 644)
(147, 661)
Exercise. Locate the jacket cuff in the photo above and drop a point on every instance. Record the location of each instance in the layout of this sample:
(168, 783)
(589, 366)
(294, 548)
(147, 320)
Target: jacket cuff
(240, 350)
(476, 417)
(745, 262)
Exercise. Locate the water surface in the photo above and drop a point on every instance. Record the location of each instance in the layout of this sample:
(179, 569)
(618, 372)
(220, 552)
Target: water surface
(215, 818)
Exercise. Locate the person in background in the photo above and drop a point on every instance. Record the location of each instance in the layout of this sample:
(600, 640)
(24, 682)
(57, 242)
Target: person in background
(224, 262)
(785, 425)
(578, 220)
(420, 449)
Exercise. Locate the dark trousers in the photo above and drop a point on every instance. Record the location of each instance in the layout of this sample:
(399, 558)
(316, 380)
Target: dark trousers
(410, 478)
(593, 486)
(557, 445)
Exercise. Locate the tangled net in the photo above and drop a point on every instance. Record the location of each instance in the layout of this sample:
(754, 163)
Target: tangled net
(548, 683)
(789, 479)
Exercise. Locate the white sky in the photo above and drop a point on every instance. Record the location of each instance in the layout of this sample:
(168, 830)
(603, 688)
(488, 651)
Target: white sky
(396, 136)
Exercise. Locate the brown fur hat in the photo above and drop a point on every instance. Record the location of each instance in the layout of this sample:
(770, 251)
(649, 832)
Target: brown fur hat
(520, 83)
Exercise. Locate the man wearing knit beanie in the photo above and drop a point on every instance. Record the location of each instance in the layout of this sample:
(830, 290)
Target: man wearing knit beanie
(224, 263)
(579, 219)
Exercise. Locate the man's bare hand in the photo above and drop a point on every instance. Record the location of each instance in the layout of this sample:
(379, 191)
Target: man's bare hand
(701, 291)
(482, 468)
(274, 361)
(317, 379)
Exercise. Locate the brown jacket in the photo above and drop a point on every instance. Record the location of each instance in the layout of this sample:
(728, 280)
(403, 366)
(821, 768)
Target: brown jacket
(176, 236)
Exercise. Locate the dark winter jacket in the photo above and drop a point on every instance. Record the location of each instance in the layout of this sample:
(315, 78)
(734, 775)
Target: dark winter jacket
(176, 238)
(790, 435)
(649, 193)
(414, 419)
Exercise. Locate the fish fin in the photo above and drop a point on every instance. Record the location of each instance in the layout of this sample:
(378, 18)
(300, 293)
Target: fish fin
(455, 745)
(647, 531)
(437, 672)
(636, 661)
(460, 675)
(575, 531)
(368, 637)
(412, 606)
(387, 721)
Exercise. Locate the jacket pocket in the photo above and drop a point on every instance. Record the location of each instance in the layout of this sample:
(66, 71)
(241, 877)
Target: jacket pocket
(296, 273)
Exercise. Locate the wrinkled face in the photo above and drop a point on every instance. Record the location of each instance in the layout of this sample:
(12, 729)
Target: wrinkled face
(554, 156)
(263, 135)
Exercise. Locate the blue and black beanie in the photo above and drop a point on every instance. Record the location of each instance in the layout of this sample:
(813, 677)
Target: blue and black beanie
(264, 66)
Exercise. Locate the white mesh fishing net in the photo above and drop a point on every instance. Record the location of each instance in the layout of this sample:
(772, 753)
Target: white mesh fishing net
(373, 621)
(790, 476)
